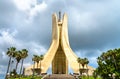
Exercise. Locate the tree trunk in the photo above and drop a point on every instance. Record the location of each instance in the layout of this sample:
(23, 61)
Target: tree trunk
(83, 66)
(16, 66)
(33, 68)
(8, 67)
(37, 65)
(21, 66)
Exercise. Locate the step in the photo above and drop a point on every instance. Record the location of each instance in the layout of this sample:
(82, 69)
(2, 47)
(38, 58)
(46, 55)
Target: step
(59, 76)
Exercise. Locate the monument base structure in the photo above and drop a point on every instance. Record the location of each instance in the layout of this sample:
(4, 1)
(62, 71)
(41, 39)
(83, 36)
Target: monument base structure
(60, 53)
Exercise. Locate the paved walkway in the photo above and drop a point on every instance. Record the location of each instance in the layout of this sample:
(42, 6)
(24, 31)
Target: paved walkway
(59, 76)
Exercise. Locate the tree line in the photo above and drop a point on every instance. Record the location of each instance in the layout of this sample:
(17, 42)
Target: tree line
(16, 55)
(83, 62)
(109, 64)
(20, 55)
(37, 59)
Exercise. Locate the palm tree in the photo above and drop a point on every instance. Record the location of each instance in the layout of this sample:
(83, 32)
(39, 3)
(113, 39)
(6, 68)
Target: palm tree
(83, 62)
(79, 61)
(41, 58)
(18, 58)
(86, 61)
(11, 52)
(24, 54)
(34, 59)
(37, 59)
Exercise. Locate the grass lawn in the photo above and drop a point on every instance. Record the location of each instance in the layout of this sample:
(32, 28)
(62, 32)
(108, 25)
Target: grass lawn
(30, 77)
(35, 77)
(90, 77)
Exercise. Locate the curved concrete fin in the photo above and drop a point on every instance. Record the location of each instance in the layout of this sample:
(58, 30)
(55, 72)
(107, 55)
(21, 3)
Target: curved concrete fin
(54, 27)
(65, 27)
(45, 63)
(71, 57)
(54, 45)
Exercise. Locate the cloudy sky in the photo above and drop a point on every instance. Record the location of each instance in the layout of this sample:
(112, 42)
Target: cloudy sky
(93, 25)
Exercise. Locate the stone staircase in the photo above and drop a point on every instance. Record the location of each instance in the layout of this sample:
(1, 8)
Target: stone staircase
(59, 76)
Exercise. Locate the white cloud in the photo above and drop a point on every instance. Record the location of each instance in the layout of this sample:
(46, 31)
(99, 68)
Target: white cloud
(93, 62)
(2, 69)
(37, 49)
(27, 64)
(30, 7)
(7, 37)
(4, 56)
(38, 8)
(24, 4)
